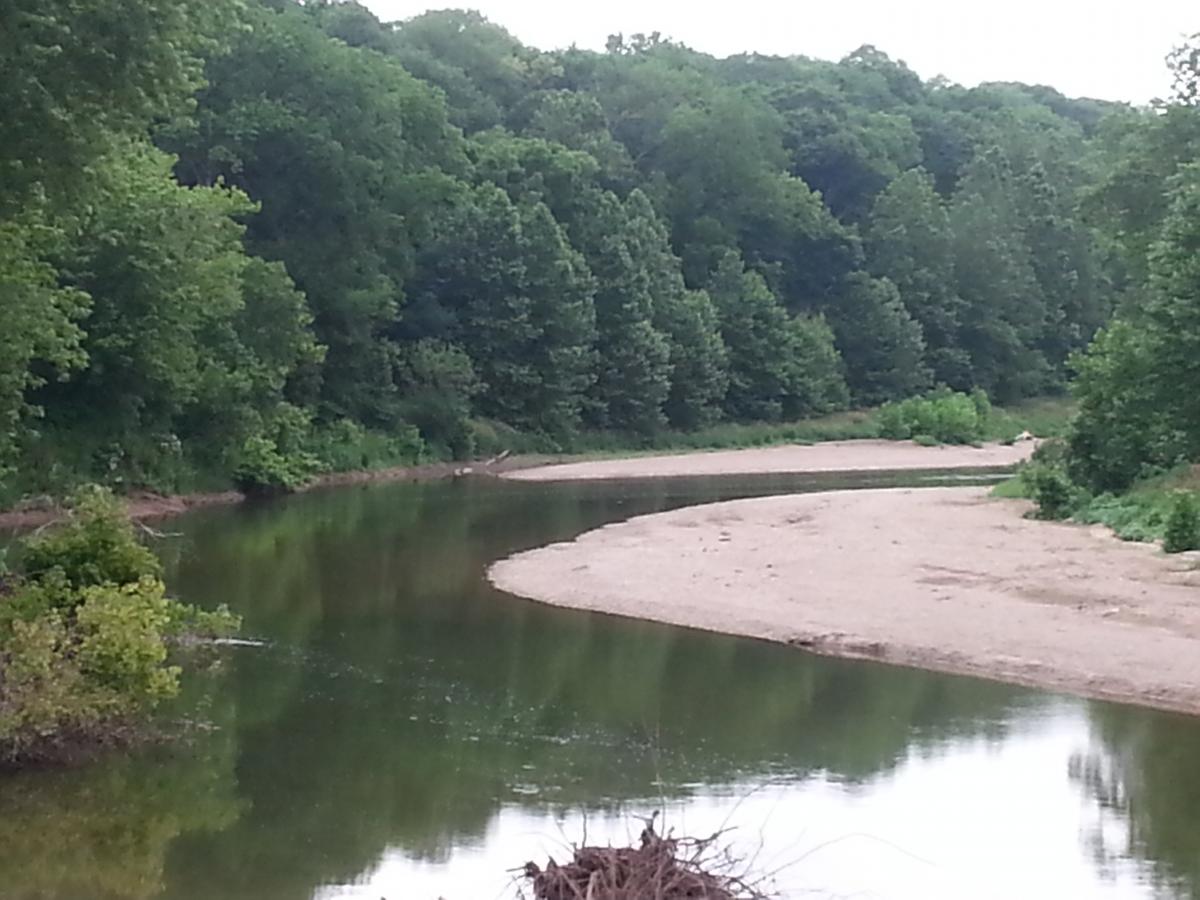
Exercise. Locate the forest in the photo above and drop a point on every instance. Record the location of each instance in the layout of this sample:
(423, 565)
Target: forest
(247, 241)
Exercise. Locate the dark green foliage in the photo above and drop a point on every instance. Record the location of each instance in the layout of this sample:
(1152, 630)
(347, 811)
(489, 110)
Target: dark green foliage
(1183, 524)
(633, 357)
(74, 74)
(879, 340)
(424, 239)
(779, 365)
(909, 241)
(439, 384)
(1139, 405)
(1052, 491)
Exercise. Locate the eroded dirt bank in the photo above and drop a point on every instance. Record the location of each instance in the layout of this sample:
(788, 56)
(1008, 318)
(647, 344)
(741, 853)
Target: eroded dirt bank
(833, 456)
(940, 578)
(145, 506)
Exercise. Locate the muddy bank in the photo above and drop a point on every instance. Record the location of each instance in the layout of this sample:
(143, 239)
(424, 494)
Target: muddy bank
(833, 456)
(144, 506)
(946, 579)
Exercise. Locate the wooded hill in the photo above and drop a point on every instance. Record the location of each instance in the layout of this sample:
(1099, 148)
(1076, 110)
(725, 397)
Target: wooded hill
(260, 236)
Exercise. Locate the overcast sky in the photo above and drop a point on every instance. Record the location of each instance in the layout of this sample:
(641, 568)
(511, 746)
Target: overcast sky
(1112, 50)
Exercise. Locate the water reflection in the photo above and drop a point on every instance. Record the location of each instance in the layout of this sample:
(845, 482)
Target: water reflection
(408, 732)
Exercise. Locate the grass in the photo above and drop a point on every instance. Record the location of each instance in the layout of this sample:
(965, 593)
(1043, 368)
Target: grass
(1044, 417)
(1012, 489)
(733, 436)
(1140, 514)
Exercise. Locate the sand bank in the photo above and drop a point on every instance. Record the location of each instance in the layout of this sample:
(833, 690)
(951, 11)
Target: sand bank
(943, 578)
(834, 456)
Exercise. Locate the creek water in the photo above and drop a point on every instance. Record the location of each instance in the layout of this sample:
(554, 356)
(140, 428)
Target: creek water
(403, 730)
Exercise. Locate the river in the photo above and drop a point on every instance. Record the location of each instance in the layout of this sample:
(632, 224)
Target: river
(406, 731)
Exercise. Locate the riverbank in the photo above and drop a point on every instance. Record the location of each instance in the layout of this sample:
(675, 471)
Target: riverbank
(948, 579)
(832, 456)
(145, 506)
(837, 456)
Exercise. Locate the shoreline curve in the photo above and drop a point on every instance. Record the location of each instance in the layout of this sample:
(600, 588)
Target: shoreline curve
(829, 456)
(946, 579)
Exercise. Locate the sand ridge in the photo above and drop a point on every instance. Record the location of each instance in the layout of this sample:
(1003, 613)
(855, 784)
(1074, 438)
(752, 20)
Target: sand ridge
(831, 456)
(941, 578)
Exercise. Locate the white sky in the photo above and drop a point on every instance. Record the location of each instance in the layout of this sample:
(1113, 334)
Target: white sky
(1106, 49)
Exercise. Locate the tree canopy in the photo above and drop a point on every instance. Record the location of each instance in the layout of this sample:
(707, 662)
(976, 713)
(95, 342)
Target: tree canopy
(296, 228)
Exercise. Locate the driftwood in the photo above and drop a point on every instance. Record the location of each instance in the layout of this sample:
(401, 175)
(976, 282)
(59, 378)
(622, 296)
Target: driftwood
(660, 868)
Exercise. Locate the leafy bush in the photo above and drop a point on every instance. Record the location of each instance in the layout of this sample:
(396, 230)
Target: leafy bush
(438, 382)
(264, 470)
(943, 416)
(85, 632)
(94, 546)
(1046, 481)
(1052, 491)
(344, 446)
(1183, 524)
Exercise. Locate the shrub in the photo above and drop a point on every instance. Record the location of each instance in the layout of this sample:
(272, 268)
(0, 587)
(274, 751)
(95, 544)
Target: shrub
(95, 545)
(1183, 524)
(85, 634)
(1048, 483)
(1052, 491)
(344, 445)
(264, 470)
(943, 416)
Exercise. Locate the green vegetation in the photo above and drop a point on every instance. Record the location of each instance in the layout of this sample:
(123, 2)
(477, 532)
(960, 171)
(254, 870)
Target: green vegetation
(85, 633)
(941, 417)
(1182, 530)
(840, 426)
(245, 242)
(1128, 455)
(1159, 508)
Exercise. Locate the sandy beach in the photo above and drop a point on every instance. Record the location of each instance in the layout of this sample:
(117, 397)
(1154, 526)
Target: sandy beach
(941, 578)
(833, 456)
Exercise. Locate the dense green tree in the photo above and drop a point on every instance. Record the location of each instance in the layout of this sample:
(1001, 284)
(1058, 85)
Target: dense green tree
(75, 72)
(577, 121)
(625, 240)
(438, 383)
(1067, 266)
(504, 284)
(777, 364)
(686, 318)
(846, 151)
(178, 361)
(41, 335)
(348, 155)
(483, 70)
(562, 291)
(879, 341)
(908, 241)
(1139, 405)
(1004, 311)
(633, 357)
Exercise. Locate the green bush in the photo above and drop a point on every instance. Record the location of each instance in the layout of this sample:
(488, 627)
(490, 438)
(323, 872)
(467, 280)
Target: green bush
(96, 545)
(943, 416)
(265, 471)
(1183, 524)
(1132, 517)
(85, 634)
(1046, 481)
(1052, 491)
(344, 446)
